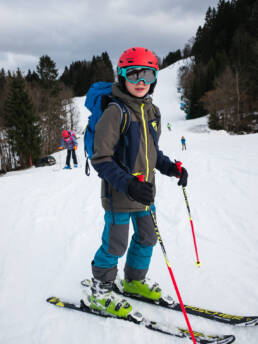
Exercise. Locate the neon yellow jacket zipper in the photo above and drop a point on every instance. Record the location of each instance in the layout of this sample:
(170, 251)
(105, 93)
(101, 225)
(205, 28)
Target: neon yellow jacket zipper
(146, 142)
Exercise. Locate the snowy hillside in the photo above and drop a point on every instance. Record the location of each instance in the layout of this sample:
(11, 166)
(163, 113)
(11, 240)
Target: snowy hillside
(52, 221)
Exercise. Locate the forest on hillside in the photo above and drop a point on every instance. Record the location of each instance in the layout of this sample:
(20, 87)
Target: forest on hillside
(36, 107)
(221, 79)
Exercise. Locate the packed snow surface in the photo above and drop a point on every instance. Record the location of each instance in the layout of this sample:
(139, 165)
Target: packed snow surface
(52, 221)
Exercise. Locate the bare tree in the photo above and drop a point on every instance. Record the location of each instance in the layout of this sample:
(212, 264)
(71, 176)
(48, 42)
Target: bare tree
(226, 102)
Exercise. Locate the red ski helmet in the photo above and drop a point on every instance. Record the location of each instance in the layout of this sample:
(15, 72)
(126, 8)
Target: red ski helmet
(138, 56)
(65, 134)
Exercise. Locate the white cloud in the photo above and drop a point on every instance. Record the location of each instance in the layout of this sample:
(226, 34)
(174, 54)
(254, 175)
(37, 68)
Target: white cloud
(11, 61)
(68, 31)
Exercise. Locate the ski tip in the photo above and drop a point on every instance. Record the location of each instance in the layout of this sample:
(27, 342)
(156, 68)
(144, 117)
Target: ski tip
(231, 339)
(249, 321)
(52, 299)
(226, 339)
(56, 301)
(201, 338)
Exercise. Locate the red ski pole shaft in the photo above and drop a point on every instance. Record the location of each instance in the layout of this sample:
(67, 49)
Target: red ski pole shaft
(191, 222)
(141, 179)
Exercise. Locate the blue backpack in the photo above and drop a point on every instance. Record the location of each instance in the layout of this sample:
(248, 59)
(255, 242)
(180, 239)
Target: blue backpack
(97, 100)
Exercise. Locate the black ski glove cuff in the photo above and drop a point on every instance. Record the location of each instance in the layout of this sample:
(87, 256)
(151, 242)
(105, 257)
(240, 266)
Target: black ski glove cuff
(173, 171)
(141, 192)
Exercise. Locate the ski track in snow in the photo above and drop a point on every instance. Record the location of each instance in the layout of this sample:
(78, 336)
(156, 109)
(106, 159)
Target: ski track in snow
(52, 222)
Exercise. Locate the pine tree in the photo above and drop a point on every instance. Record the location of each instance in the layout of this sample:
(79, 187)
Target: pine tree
(48, 74)
(21, 123)
(32, 76)
(82, 74)
(171, 58)
(109, 72)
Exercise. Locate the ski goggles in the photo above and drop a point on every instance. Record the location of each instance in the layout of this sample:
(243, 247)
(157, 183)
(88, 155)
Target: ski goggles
(138, 73)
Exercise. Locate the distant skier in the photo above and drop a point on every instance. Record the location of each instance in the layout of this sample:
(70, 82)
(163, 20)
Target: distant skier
(69, 142)
(124, 197)
(183, 143)
(169, 126)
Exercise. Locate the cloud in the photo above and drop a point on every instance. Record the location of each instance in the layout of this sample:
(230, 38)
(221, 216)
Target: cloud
(68, 31)
(12, 61)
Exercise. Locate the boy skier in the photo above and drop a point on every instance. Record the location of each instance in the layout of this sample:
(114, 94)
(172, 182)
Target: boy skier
(183, 143)
(118, 163)
(70, 143)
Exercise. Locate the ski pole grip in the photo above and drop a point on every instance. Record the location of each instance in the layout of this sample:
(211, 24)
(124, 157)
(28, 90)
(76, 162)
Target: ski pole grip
(140, 177)
(179, 166)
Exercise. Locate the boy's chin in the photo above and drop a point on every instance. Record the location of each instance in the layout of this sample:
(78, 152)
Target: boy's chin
(140, 94)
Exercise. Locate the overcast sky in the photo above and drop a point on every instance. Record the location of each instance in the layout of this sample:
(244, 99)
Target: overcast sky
(75, 30)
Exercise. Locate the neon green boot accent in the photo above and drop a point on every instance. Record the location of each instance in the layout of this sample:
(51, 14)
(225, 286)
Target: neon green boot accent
(111, 304)
(101, 297)
(142, 288)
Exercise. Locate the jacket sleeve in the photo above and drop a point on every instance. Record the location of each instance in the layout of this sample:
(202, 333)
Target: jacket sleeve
(75, 143)
(163, 163)
(107, 135)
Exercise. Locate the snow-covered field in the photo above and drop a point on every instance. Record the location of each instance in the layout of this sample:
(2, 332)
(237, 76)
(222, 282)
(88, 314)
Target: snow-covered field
(52, 220)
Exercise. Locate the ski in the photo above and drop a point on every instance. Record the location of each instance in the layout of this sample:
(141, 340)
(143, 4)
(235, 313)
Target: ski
(168, 302)
(136, 318)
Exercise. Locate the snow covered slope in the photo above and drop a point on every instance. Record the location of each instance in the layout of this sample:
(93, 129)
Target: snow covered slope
(52, 220)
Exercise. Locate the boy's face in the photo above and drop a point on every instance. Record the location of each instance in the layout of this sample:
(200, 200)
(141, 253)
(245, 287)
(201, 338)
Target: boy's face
(138, 90)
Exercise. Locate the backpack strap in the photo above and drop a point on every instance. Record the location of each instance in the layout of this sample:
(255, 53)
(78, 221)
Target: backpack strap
(107, 100)
(87, 166)
(125, 113)
(156, 112)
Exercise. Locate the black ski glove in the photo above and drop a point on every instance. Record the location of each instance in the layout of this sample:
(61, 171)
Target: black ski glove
(141, 191)
(174, 171)
(183, 178)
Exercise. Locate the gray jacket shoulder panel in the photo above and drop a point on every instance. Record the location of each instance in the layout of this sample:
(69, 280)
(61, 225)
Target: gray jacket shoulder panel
(107, 134)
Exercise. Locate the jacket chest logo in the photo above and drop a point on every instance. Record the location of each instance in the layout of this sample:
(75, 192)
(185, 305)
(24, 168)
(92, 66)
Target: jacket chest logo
(154, 125)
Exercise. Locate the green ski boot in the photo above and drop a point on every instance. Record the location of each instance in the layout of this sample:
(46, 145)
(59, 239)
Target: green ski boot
(145, 288)
(101, 297)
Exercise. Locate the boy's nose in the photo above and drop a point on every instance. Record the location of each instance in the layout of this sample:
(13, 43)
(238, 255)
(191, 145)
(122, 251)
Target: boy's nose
(141, 82)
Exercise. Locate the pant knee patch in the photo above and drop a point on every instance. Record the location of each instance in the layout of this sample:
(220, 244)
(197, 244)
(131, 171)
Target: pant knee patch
(146, 231)
(118, 239)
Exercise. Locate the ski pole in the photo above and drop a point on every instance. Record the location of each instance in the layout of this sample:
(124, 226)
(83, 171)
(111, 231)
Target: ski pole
(198, 263)
(60, 160)
(141, 179)
(178, 164)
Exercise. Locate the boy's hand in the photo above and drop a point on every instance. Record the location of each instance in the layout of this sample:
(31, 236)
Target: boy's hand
(141, 192)
(176, 170)
(60, 148)
(173, 171)
(75, 147)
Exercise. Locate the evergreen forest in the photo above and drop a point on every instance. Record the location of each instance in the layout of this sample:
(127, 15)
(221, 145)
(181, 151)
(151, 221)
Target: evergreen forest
(221, 77)
(36, 107)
